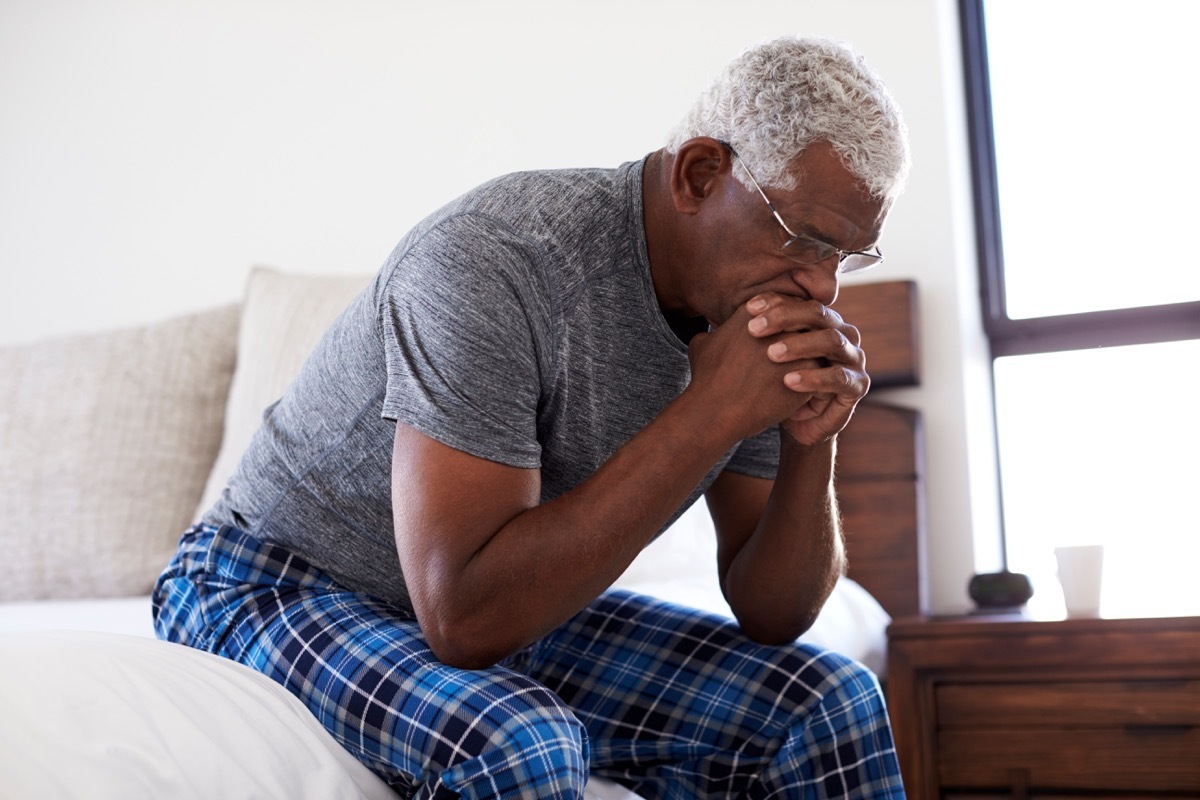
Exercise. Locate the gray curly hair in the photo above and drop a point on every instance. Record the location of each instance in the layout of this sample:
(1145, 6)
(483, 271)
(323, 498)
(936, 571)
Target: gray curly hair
(776, 99)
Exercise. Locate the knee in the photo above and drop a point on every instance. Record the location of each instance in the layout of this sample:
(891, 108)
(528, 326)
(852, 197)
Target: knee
(838, 737)
(812, 678)
(852, 681)
(552, 741)
(841, 695)
(536, 747)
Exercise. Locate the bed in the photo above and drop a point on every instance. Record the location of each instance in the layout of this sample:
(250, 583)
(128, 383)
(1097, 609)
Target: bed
(91, 705)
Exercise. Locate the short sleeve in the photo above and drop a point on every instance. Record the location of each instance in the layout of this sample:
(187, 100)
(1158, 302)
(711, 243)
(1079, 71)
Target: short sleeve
(757, 456)
(464, 323)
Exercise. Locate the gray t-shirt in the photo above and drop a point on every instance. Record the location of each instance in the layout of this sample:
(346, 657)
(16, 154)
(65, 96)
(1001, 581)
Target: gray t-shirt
(518, 323)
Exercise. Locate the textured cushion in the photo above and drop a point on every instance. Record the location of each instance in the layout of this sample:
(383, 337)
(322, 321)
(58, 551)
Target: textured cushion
(283, 317)
(105, 443)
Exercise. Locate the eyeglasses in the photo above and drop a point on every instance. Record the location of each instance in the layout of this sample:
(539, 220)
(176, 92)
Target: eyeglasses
(804, 249)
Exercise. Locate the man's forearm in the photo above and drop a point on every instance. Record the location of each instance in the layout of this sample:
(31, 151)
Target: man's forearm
(547, 561)
(782, 575)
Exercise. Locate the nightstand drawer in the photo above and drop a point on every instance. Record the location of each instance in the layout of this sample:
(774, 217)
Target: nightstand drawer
(1159, 759)
(1081, 734)
(1106, 704)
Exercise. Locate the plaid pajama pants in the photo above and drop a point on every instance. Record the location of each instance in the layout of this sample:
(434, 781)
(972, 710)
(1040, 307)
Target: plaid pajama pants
(670, 702)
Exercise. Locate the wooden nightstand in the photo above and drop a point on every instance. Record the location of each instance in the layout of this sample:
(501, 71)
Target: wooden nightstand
(990, 707)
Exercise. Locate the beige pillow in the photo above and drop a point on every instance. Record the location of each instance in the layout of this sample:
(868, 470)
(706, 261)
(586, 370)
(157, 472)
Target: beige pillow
(105, 443)
(283, 317)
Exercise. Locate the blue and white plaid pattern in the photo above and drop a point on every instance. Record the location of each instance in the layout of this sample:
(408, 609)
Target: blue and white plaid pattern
(670, 702)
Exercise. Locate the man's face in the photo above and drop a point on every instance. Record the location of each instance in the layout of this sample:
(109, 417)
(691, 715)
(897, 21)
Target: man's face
(738, 254)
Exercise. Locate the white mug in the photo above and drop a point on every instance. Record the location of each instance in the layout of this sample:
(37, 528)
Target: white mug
(1079, 570)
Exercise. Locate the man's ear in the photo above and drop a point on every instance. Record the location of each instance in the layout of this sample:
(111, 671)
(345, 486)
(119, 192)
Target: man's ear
(694, 172)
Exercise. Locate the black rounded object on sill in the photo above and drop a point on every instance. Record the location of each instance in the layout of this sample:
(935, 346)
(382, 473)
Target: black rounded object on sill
(996, 590)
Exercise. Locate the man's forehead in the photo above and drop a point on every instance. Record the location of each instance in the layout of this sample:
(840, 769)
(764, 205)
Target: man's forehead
(834, 205)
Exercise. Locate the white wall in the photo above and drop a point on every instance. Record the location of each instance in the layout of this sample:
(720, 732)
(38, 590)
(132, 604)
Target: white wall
(152, 150)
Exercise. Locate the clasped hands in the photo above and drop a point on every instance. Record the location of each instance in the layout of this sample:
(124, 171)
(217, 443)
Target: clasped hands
(783, 360)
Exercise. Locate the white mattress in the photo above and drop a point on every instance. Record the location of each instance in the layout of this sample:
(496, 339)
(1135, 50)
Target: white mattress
(679, 566)
(851, 623)
(127, 615)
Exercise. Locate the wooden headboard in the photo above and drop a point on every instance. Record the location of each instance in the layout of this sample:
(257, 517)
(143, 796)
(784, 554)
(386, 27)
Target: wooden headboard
(880, 467)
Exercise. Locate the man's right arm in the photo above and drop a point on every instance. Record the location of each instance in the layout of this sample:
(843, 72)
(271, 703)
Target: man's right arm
(490, 569)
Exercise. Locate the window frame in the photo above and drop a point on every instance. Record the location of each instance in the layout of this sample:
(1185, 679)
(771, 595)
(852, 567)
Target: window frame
(1047, 334)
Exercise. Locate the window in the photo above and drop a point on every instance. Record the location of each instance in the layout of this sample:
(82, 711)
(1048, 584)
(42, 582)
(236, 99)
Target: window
(1086, 170)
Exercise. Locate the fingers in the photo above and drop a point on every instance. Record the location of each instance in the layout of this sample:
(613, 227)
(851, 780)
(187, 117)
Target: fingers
(801, 362)
(772, 314)
(830, 381)
(814, 339)
(800, 329)
(821, 345)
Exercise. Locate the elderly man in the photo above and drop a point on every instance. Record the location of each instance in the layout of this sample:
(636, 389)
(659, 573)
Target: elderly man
(544, 374)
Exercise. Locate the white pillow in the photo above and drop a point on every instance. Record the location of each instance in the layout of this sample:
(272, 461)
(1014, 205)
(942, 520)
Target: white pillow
(283, 317)
(681, 566)
(106, 440)
(107, 716)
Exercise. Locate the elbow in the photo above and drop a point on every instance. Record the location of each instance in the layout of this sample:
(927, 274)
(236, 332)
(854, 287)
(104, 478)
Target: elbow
(776, 632)
(460, 628)
(773, 620)
(463, 643)
(467, 658)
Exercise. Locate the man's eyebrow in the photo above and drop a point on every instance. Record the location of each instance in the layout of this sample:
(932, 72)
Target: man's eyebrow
(811, 230)
(816, 233)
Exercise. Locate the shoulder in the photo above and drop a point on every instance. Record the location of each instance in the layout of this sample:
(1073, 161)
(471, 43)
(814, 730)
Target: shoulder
(521, 219)
(546, 201)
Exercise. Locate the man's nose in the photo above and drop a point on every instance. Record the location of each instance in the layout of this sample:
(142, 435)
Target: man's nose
(819, 281)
